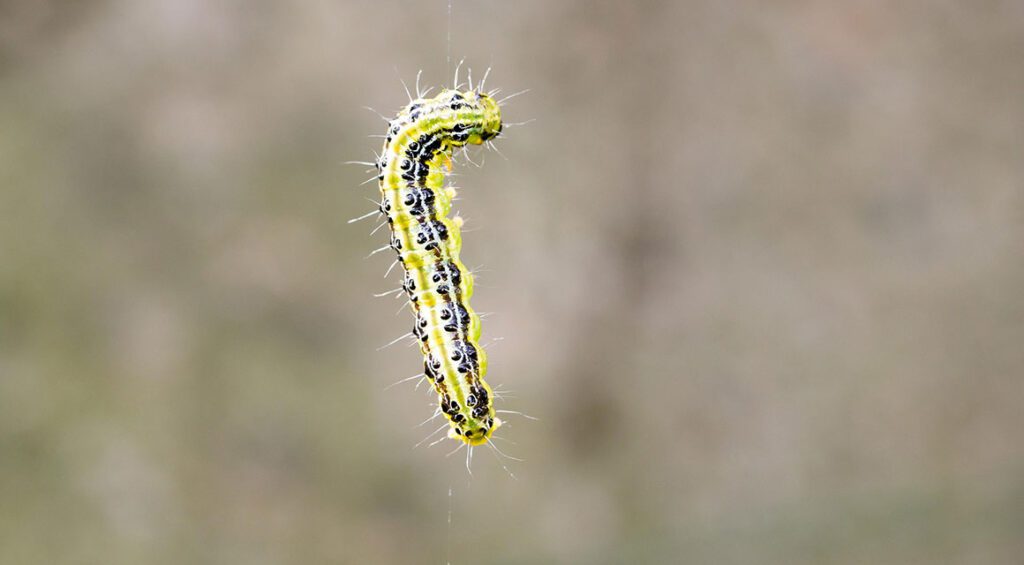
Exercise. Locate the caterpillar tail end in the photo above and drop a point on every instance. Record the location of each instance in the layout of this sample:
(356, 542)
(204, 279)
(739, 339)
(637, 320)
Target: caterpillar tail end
(482, 437)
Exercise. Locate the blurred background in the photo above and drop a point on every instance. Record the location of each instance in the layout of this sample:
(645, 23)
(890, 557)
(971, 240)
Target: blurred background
(757, 267)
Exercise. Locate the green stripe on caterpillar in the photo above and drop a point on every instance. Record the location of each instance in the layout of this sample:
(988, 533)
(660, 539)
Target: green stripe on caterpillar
(417, 154)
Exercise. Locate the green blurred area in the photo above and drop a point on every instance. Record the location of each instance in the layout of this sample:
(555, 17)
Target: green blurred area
(757, 267)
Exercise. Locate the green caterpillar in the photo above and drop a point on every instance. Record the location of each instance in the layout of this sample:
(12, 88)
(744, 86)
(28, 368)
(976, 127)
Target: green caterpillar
(411, 170)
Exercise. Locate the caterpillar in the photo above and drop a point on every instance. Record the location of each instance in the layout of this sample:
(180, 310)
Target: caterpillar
(411, 169)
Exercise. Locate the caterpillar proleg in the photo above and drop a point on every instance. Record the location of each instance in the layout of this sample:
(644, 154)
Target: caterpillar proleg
(411, 170)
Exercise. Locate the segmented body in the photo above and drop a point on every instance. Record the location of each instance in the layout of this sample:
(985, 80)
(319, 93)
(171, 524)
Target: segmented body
(417, 153)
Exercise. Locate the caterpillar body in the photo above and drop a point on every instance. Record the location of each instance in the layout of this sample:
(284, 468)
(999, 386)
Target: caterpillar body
(417, 154)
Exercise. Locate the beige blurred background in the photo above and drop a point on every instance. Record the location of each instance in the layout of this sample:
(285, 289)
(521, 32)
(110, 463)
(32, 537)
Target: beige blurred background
(757, 267)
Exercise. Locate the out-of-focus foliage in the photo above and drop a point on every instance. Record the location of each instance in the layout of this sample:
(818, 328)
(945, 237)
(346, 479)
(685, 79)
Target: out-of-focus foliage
(758, 267)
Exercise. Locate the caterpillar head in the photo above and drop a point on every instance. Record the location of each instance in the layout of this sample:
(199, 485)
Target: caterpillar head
(477, 118)
(492, 118)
